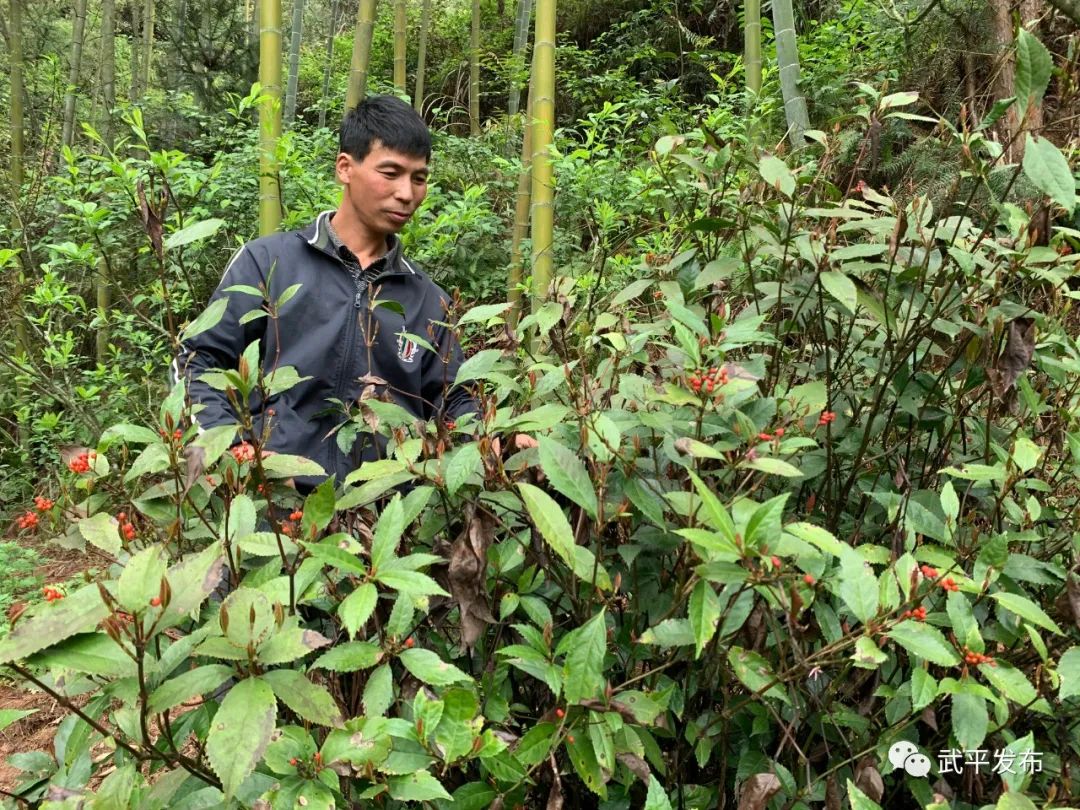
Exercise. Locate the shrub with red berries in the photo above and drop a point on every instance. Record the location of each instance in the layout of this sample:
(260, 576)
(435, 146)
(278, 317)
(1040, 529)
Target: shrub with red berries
(975, 658)
(242, 452)
(918, 614)
(826, 418)
(28, 521)
(43, 504)
(52, 593)
(707, 379)
(949, 584)
(82, 462)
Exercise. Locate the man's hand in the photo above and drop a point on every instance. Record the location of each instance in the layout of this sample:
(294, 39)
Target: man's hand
(520, 441)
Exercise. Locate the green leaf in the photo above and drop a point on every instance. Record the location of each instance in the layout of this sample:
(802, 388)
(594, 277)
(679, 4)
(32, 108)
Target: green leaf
(379, 692)
(970, 719)
(420, 786)
(583, 758)
(90, 654)
(49, 623)
(129, 434)
(669, 633)
(9, 716)
(859, 588)
(387, 533)
(455, 732)
(775, 466)
(208, 319)
(478, 365)
(203, 229)
(1026, 610)
(432, 670)
(1047, 168)
(1014, 801)
(859, 800)
(1010, 681)
(215, 442)
(484, 313)
(282, 465)
(350, 657)
(240, 732)
(140, 581)
(867, 655)
(289, 643)
(567, 474)
(411, 582)
(1033, 68)
(927, 642)
(186, 686)
(103, 531)
(656, 798)
(356, 608)
(311, 701)
(318, 508)
(583, 672)
(776, 173)
(842, 288)
(924, 689)
(754, 672)
(976, 472)
(464, 461)
(555, 529)
(191, 581)
(704, 610)
(1069, 671)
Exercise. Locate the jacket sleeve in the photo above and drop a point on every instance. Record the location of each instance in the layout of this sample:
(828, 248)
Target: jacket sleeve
(440, 371)
(222, 344)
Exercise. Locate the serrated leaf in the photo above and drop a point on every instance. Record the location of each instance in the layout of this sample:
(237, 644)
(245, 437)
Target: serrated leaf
(775, 466)
(215, 442)
(1026, 610)
(140, 581)
(208, 319)
(90, 654)
(755, 673)
(1033, 68)
(387, 533)
(240, 732)
(859, 588)
(350, 657)
(925, 641)
(432, 670)
(776, 173)
(656, 798)
(356, 608)
(283, 465)
(379, 691)
(461, 465)
(1069, 671)
(704, 611)
(420, 786)
(583, 672)
(289, 643)
(311, 701)
(186, 686)
(970, 719)
(203, 229)
(567, 474)
(49, 623)
(1047, 168)
(555, 529)
(842, 288)
(924, 689)
(101, 530)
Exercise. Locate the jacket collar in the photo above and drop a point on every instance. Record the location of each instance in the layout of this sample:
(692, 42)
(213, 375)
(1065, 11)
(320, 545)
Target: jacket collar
(317, 235)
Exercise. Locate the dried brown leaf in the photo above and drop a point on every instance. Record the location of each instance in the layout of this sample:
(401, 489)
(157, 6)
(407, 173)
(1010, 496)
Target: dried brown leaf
(757, 790)
(467, 573)
(151, 221)
(636, 764)
(1019, 348)
(195, 457)
(868, 779)
(1072, 588)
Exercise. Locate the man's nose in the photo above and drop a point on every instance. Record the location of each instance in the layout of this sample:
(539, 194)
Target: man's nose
(403, 190)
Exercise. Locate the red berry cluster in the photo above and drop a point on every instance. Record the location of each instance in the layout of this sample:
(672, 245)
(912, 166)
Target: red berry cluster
(52, 594)
(298, 515)
(288, 528)
(825, 418)
(928, 572)
(126, 528)
(43, 504)
(918, 614)
(28, 521)
(949, 584)
(707, 379)
(176, 434)
(81, 463)
(975, 658)
(768, 437)
(450, 425)
(243, 452)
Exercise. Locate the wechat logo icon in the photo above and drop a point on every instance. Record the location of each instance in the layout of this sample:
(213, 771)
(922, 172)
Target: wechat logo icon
(906, 756)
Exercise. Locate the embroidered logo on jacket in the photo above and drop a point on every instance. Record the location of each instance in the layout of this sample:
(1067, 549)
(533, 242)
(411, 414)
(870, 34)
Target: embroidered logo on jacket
(406, 349)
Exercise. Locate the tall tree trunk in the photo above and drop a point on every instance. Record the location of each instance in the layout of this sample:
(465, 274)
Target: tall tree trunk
(135, 52)
(401, 24)
(294, 60)
(752, 45)
(107, 60)
(521, 216)
(147, 60)
(17, 90)
(474, 70)
(15, 59)
(1005, 80)
(787, 58)
(542, 104)
(521, 43)
(329, 63)
(269, 115)
(365, 24)
(421, 56)
(78, 31)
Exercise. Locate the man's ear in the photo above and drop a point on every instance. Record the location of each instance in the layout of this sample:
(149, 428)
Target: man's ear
(343, 168)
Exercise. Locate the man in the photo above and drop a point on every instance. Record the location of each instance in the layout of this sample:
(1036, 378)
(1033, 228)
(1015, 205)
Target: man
(329, 330)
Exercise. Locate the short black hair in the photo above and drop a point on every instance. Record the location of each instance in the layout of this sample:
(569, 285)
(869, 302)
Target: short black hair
(390, 121)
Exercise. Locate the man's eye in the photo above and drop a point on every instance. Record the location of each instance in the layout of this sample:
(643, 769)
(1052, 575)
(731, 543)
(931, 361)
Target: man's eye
(390, 175)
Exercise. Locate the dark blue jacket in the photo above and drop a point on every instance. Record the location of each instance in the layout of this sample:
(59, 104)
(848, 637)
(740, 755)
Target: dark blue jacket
(323, 332)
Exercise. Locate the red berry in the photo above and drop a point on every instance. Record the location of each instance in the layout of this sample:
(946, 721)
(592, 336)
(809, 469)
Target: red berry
(297, 515)
(410, 642)
(809, 579)
(775, 561)
(292, 761)
(155, 602)
(560, 713)
(570, 738)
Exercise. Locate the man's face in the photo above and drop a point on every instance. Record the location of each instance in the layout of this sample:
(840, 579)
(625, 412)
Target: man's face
(383, 189)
